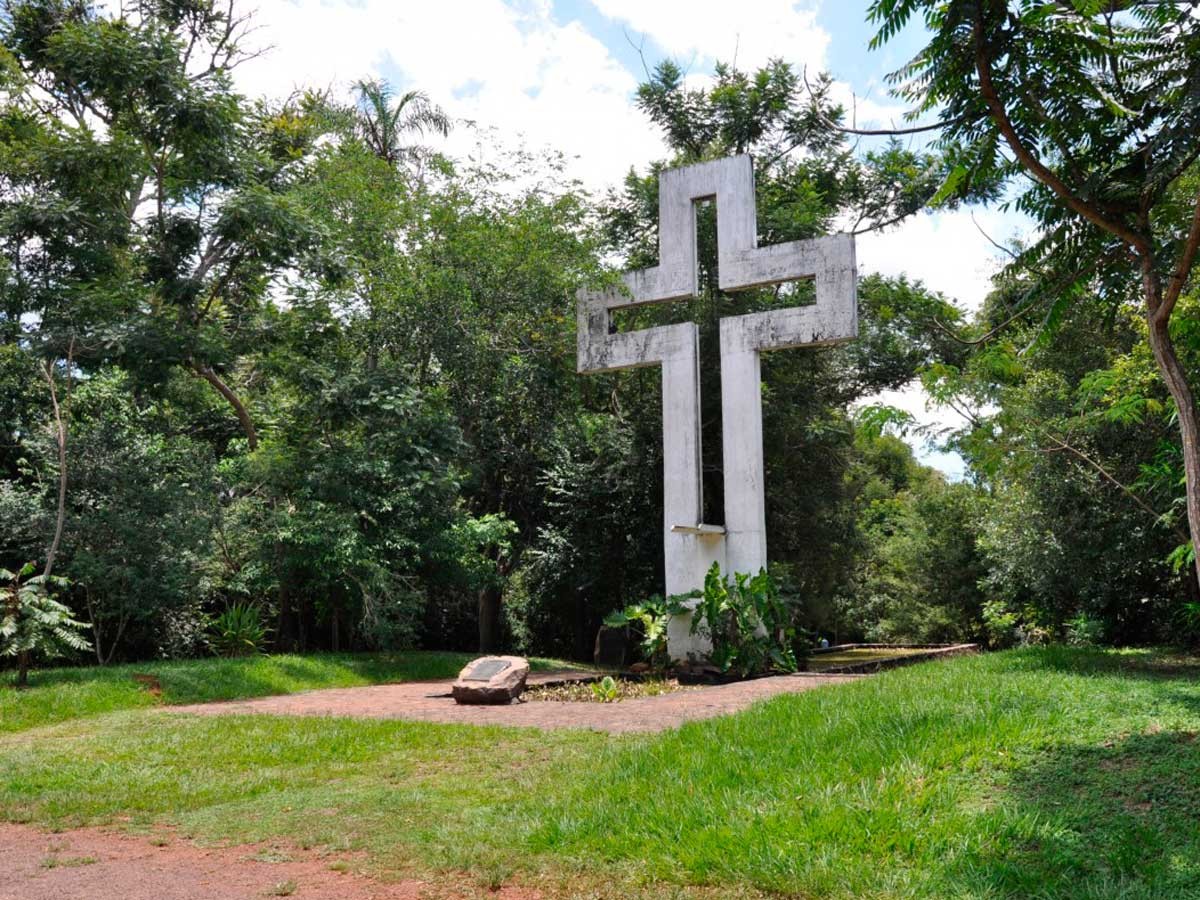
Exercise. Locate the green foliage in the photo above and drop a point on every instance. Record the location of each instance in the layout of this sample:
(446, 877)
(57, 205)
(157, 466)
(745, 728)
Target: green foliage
(1000, 625)
(875, 419)
(1092, 111)
(1188, 619)
(239, 631)
(605, 690)
(649, 620)
(919, 560)
(750, 627)
(322, 371)
(383, 124)
(1182, 557)
(33, 623)
(1085, 631)
(141, 507)
(1074, 81)
(1075, 445)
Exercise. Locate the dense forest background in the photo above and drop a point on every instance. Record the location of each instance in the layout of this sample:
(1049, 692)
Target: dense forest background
(281, 354)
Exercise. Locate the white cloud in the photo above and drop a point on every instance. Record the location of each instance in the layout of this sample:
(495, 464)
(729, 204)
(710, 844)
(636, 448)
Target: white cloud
(507, 66)
(933, 425)
(753, 30)
(945, 250)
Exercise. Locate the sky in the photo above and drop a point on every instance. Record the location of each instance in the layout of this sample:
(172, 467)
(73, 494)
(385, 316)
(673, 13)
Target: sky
(561, 74)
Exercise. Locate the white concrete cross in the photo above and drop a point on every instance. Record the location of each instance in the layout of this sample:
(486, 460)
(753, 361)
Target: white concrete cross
(689, 545)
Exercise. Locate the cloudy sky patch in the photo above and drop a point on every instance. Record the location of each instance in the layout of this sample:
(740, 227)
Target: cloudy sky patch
(561, 74)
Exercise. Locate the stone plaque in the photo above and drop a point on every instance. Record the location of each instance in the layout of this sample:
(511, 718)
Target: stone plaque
(491, 679)
(487, 669)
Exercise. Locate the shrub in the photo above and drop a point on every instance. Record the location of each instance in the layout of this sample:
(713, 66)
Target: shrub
(183, 632)
(751, 628)
(1188, 617)
(239, 631)
(1085, 631)
(649, 620)
(750, 625)
(1000, 625)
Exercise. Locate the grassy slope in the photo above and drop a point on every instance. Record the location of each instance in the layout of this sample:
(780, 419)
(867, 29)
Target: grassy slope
(56, 695)
(1048, 773)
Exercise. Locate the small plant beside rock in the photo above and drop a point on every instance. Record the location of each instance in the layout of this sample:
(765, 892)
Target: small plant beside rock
(597, 692)
(605, 690)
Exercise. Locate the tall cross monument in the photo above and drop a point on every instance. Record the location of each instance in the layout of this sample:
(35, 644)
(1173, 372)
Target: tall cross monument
(690, 545)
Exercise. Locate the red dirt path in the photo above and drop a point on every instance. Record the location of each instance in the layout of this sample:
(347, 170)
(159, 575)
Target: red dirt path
(429, 701)
(89, 864)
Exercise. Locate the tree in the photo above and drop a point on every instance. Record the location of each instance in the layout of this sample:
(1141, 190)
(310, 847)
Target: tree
(917, 564)
(146, 205)
(32, 621)
(140, 516)
(458, 286)
(382, 124)
(1072, 442)
(1098, 104)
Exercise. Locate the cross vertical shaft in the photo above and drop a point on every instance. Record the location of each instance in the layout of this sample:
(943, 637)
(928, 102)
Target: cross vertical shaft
(690, 546)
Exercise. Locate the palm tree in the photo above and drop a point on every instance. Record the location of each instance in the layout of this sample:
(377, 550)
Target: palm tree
(383, 125)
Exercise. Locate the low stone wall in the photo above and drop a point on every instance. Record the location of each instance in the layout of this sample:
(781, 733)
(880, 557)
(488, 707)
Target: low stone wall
(927, 652)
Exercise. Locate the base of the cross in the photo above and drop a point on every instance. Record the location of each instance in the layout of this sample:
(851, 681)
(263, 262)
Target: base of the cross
(682, 645)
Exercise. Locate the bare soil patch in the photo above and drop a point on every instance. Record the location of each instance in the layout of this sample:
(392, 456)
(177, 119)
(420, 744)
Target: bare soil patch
(90, 864)
(430, 701)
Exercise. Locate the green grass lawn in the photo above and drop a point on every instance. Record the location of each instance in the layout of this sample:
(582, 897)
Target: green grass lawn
(1032, 773)
(56, 695)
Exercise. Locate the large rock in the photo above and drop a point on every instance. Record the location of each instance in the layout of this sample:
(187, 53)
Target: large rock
(491, 680)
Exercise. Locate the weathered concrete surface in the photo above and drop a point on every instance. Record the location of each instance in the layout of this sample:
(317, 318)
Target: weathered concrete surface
(690, 548)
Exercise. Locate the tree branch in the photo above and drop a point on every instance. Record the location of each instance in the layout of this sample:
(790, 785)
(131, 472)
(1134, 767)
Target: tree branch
(206, 372)
(1186, 259)
(1061, 445)
(987, 90)
(60, 428)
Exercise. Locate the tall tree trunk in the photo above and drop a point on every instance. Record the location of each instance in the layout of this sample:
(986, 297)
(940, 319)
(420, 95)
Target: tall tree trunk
(25, 657)
(60, 437)
(1189, 420)
(489, 619)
